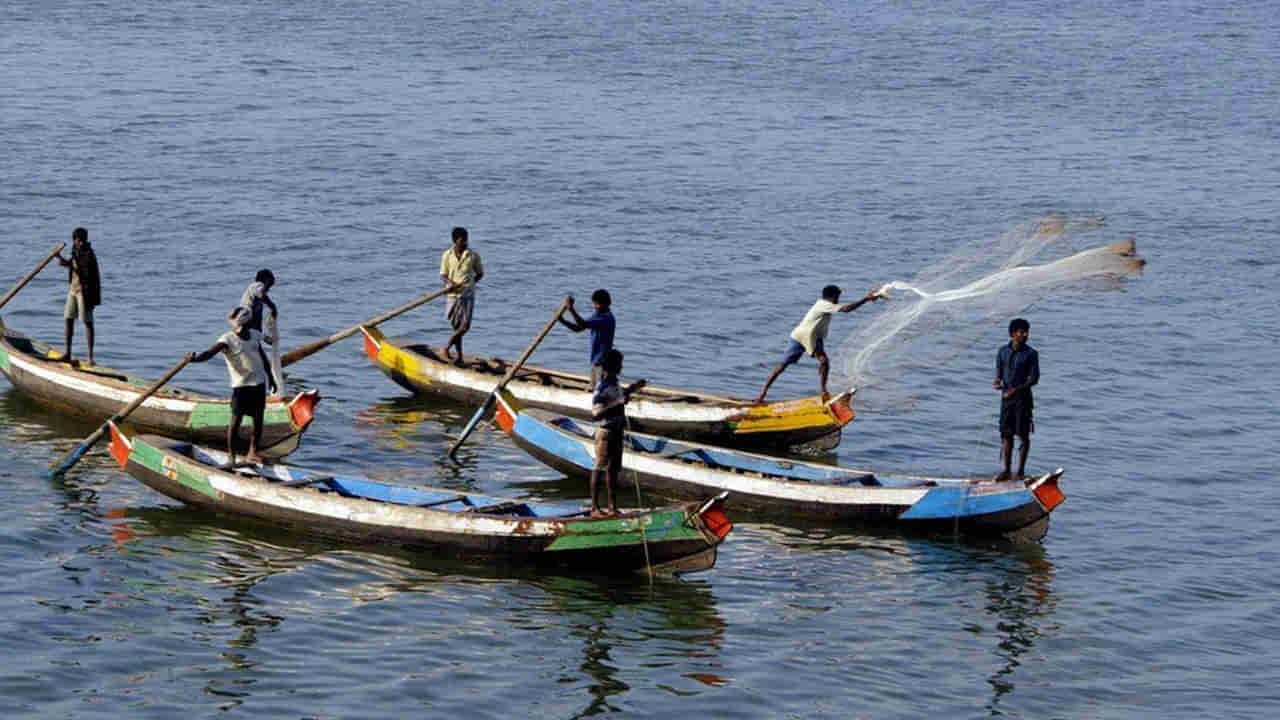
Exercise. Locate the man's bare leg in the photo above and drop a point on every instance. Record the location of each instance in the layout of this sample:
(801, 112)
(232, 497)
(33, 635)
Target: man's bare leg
(232, 430)
(89, 335)
(71, 331)
(772, 376)
(824, 368)
(1006, 455)
(1023, 450)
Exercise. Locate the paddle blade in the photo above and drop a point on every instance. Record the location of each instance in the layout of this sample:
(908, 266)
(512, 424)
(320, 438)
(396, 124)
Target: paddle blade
(70, 459)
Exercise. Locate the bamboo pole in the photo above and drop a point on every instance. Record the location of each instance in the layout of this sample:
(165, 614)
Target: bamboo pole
(488, 402)
(23, 283)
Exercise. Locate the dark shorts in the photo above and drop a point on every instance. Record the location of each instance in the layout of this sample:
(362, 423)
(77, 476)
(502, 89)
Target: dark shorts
(609, 450)
(1015, 417)
(795, 351)
(250, 400)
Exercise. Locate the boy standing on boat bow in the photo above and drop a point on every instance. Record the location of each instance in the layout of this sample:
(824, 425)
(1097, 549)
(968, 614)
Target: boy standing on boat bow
(608, 408)
(1017, 370)
(461, 267)
(809, 335)
(85, 291)
(247, 365)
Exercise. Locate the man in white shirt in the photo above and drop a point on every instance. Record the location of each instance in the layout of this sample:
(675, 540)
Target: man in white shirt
(809, 335)
(460, 266)
(247, 365)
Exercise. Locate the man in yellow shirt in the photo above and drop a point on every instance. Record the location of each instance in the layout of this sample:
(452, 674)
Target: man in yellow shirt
(461, 266)
(809, 335)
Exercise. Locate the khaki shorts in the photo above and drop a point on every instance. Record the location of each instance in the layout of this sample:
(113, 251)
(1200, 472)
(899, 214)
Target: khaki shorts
(77, 308)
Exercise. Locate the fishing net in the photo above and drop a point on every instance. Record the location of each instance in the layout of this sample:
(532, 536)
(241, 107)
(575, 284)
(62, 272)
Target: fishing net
(946, 307)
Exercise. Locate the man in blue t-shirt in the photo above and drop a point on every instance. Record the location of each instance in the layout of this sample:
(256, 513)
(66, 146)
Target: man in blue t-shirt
(601, 325)
(1017, 371)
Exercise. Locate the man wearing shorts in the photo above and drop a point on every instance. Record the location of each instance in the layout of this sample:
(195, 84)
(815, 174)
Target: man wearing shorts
(809, 335)
(247, 365)
(608, 407)
(1017, 370)
(85, 291)
(460, 266)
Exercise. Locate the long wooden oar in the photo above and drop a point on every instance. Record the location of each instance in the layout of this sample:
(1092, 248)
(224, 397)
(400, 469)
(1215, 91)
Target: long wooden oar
(79, 451)
(488, 402)
(23, 283)
(297, 354)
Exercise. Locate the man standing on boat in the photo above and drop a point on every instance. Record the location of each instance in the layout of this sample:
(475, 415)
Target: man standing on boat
(809, 335)
(1017, 370)
(85, 291)
(608, 408)
(601, 325)
(263, 315)
(247, 365)
(460, 266)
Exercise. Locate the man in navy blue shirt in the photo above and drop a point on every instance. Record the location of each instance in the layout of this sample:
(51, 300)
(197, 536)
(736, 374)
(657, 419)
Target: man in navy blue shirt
(600, 324)
(1017, 370)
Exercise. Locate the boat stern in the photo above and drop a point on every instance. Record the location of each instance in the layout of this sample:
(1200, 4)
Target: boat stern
(841, 407)
(1046, 490)
(121, 446)
(302, 409)
(507, 410)
(373, 338)
(712, 519)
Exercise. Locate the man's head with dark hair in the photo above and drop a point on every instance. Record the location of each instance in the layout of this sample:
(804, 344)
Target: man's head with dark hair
(601, 297)
(80, 234)
(239, 317)
(831, 292)
(1018, 324)
(459, 233)
(612, 362)
(265, 277)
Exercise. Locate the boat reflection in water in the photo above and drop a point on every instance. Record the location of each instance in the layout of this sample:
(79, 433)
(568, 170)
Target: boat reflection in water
(268, 603)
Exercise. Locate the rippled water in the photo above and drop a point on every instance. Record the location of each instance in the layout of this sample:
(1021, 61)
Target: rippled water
(713, 165)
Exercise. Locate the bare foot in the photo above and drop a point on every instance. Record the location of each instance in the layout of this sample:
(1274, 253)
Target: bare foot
(254, 458)
(1004, 475)
(760, 400)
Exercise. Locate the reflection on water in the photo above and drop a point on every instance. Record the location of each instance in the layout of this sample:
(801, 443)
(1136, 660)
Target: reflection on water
(27, 421)
(1020, 602)
(671, 622)
(257, 580)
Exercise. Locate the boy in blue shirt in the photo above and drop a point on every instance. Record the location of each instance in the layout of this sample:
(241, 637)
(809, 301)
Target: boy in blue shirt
(1017, 370)
(601, 325)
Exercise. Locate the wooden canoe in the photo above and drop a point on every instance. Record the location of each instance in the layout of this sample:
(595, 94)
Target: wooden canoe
(764, 486)
(670, 540)
(98, 392)
(806, 423)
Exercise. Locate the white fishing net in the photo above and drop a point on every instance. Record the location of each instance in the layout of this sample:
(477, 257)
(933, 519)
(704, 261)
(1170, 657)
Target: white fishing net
(947, 306)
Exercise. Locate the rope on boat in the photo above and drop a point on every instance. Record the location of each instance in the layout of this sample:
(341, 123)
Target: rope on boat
(644, 537)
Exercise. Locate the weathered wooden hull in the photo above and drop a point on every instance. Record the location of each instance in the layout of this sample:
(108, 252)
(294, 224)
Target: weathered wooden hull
(98, 393)
(813, 421)
(776, 488)
(672, 540)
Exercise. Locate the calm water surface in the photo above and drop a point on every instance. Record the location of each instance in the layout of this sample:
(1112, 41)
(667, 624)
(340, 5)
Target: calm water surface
(713, 165)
